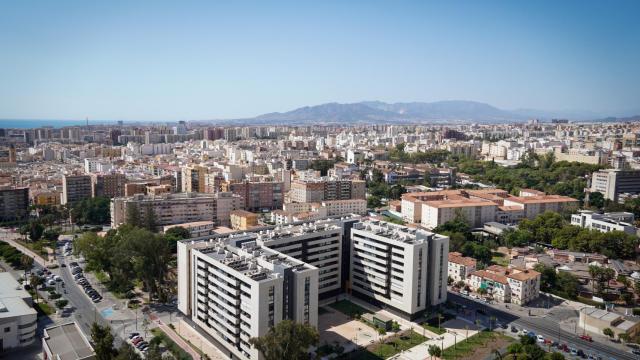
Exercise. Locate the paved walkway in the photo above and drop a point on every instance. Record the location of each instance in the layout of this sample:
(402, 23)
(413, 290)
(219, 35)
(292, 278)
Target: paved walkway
(190, 334)
(10, 237)
(175, 337)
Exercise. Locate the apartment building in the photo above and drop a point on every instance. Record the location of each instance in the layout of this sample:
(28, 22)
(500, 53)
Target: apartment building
(108, 185)
(460, 267)
(536, 205)
(618, 221)
(518, 286)
(234, 290)
(193, 179)
(45, 197)
(258, 196)
(475, 211)
(243, 220)
(293, 212)
(318, 243)
(613, 182)
(76, 188)
(317, 190)
(397, 267)
(14, 203)
(196, 229)
(18, 319)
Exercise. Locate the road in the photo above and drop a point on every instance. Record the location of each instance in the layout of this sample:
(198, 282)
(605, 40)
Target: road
(545, 327)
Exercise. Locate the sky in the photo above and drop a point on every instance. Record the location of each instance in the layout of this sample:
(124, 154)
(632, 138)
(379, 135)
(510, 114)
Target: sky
(199, 60)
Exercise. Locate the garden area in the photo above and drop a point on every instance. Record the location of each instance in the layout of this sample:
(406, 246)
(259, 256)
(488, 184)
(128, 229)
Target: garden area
(348, 308)
(478, 346)
(389, 347)
(160, 338)
(435, 325)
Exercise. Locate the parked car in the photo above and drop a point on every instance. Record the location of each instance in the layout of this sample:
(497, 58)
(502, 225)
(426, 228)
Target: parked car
(586, 338)
(133, 334)
(540, 338)
(514, 329)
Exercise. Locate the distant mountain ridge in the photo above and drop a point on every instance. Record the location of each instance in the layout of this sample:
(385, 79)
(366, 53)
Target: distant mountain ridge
(378, 111)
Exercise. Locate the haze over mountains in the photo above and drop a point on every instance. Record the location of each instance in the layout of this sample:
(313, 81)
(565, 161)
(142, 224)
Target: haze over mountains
(451, 111)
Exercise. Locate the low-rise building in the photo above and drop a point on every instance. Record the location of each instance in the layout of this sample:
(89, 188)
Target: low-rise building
(595, 320)
(619, 221)
(18, 319)
(518, 286)
(196, 229)
(66, 342)
(243, 220)
(460, 267)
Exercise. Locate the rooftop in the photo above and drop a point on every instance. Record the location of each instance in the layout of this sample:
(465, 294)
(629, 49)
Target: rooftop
(66, 342)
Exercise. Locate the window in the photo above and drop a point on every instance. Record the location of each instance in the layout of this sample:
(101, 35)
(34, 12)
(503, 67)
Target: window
(7, 329)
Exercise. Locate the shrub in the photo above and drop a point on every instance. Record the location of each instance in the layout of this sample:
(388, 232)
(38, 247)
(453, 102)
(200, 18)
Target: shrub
(54, 296)
(61, 303)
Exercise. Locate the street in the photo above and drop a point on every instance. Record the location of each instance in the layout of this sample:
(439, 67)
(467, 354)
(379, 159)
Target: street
(542, 326)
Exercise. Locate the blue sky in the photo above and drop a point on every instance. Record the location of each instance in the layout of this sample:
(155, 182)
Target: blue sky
(156, 60)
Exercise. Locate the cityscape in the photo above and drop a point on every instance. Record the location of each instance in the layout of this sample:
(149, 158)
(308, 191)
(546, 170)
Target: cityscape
(176, 220)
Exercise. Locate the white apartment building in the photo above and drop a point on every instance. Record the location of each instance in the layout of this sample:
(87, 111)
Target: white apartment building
(400, 268)
(234, 290)
(619, 221)
(318, 243)
(460, 267)
(613, 182)
(475, 211)
(18, 319)
(513, 285)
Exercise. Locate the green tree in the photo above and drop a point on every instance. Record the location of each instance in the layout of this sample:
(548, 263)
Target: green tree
(150, 219)
(608, 332)
(35, 230)
(133, 215)
(92, 211)
(102, 340)
(26, 262)
(596, 199)
(287, 340)
(555, 356)
(127, 352)
(600, 277)
(434, 350)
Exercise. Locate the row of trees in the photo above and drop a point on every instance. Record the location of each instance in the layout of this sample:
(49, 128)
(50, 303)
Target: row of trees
(131, 253)
(535, 172)
(462, 240)
(378, 189)
(92, 211)
(552, 228)
(434, 156)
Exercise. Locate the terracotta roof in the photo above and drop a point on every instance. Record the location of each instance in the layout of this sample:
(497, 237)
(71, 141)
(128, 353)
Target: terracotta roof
(491, 276)
(457, 258)
(539, 199)
(524, 275)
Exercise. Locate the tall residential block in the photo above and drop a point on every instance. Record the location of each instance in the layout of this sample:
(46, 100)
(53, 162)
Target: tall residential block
(401, 268)
(14, 203)
(108, 185)
(258, 196)
(75, 188)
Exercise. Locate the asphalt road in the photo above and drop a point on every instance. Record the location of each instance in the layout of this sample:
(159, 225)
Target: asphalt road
(545, 327)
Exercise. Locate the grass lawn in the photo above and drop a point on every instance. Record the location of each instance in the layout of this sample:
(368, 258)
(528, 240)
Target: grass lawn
(475, 343)
(160, 337)
(432, 323)
(43, 308)
(348, 308)
(390, 347)
(499, 259)
(322, 311)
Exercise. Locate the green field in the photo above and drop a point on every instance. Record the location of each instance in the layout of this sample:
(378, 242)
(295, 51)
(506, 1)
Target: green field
(464, 348)
(390, 347)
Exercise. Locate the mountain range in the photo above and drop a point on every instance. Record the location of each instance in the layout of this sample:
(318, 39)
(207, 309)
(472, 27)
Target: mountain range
(451, 111)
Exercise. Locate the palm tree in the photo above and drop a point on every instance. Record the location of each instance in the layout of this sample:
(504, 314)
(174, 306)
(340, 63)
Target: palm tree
(497, 354)
(492, 319)
(26, 262)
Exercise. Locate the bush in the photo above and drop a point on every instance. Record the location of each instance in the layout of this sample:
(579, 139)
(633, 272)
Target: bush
(636, 311)
(54, 296)
(61, 303)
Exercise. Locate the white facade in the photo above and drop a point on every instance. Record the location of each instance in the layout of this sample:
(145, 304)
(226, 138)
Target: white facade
(18, 319)
(400, 267)
(476, 212)
(235, 291)
(605, 222)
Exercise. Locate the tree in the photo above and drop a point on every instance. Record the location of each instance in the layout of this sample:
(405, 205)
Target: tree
(600, 277)
(596, 199)
(35, 230)
(35, 281)
(154, 352)
(287, 340)
(150, 219)
(102, 340)
(178, 232)
(127, 352)
(434, 350)
(133, 215)
(26, 262)
(555, 356)
(624, 337)
(608, 332)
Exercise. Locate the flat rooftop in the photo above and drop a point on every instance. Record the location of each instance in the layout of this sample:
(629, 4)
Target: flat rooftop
(67, 342)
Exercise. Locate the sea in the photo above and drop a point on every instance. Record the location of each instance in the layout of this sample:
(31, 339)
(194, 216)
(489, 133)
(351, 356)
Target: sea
(32, 123)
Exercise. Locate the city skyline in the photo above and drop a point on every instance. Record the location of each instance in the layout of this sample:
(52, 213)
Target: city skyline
(199, 61)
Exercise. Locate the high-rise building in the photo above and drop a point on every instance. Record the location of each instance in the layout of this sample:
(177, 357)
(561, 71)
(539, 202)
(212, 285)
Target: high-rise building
(234, 290)
(613, 182)
(75, 188)
(326, 189)
(14, 203)
(193, 179)
(108, 185)
(403, 268)
(258, 196)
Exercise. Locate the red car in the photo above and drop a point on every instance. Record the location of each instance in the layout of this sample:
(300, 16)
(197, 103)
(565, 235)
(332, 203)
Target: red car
(586, 338)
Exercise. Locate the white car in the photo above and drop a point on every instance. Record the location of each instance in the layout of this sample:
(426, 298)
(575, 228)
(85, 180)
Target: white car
(540, 338)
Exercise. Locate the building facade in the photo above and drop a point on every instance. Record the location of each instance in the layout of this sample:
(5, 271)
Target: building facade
(76, 188)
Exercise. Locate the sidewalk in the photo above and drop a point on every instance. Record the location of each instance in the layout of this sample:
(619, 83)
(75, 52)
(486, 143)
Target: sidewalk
(175, 337)
(5, 236)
